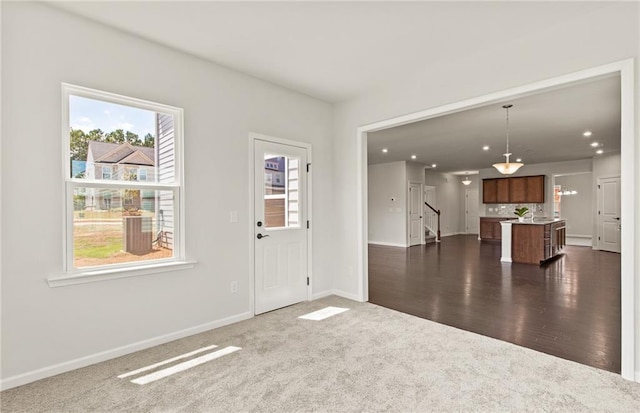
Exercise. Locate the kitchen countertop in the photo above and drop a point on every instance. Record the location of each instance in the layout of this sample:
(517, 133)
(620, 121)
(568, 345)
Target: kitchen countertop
(536, 221)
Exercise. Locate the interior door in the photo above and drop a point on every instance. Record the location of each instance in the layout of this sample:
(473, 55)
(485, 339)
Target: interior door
(609, 225)
(280, 225)
(471, 208)
(415, 213)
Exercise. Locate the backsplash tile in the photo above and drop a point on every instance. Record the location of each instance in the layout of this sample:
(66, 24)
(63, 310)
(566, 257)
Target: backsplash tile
(509, 209)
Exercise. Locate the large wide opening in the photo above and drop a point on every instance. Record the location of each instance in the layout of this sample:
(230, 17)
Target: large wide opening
(567, 303)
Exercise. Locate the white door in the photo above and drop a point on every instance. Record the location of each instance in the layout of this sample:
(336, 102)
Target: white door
(280, 225)
(609, 224)
(415, 213)
(471, 208)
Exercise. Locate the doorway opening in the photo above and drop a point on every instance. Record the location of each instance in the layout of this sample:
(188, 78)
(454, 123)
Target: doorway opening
(624, 69)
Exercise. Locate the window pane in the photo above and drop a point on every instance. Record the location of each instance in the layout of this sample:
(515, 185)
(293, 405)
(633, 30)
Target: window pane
(113, 226)
(118, 142)
(281, 203)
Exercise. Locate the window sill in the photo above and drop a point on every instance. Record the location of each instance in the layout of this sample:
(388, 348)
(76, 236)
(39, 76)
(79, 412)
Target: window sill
(115, 273)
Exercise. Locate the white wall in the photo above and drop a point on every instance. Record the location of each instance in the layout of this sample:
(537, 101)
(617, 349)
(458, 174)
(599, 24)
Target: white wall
(415, 171)
(577, 209)
(44, 327)
(552, 51)
(388, 204)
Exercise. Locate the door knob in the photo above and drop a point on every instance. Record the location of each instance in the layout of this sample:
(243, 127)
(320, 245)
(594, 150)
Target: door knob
(260, 236)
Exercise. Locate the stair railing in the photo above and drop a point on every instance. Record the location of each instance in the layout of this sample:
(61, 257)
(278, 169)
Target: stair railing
(437, 211)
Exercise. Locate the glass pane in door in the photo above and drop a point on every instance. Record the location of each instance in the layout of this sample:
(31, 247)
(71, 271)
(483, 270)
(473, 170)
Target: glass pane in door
(281, 179)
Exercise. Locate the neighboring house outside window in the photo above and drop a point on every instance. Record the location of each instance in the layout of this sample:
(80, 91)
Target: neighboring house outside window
(120, 162)
(126, 203)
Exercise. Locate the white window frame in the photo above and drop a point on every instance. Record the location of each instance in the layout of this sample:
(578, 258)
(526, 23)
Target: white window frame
(73, 275)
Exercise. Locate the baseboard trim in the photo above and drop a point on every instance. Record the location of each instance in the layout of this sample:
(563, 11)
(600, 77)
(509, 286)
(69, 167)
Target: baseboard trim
(347, 295)
(450, 234)
(66, 366)
(579, 240)
(388, 244)
(320, 295)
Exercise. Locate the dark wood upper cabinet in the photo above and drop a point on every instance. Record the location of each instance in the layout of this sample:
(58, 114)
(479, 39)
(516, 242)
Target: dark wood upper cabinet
(503, 191)
(518, 189)
(535, 189)
(513, 190)
(489, 191)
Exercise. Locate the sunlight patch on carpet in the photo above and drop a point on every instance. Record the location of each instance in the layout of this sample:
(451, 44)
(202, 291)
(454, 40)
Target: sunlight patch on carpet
(162, 363)
(161, 374)
(324, 313)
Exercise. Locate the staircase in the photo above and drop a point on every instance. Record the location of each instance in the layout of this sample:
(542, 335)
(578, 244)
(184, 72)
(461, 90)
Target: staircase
(431, 224)
(429, 237)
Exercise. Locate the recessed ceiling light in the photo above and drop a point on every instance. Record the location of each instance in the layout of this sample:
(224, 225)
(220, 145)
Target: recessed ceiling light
(385, 150)
(599, 151)
(413, 156)
(595, 144)
(519, 160)
(586, 134)
(485, 148)
(433, 165)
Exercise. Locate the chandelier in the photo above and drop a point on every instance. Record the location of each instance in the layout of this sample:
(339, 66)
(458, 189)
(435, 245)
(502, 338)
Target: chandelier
(507, 168)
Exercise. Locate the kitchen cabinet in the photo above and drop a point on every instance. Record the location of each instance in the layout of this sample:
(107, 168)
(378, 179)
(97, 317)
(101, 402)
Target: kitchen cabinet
(535, 189)
(513, 190)
(558, 238)
(518, 189)
(490, 229)
(495, 191)
(534, 243)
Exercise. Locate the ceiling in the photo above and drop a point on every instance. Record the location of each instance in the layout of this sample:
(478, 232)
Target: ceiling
(330, 50)
(544, 127)
(336, 51)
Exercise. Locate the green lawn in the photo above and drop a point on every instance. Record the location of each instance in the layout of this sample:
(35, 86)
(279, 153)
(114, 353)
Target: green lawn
(101, 243)
(90, 242)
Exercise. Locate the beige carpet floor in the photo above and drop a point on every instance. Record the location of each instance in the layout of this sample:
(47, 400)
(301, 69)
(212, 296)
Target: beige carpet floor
(367, 359)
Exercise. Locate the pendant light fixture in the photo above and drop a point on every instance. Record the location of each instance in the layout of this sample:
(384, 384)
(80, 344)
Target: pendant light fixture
(507, 168)
(466, 181)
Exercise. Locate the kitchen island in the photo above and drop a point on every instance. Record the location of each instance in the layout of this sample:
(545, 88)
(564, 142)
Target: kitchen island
(532, 241)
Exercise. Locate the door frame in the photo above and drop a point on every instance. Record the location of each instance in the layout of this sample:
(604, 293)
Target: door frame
(409, 183)
(466, 210)
(597, 244)
(629, 204)
(251, 217)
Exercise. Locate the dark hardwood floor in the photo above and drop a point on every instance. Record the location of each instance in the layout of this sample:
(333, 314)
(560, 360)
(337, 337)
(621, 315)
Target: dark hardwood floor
(569, 307)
